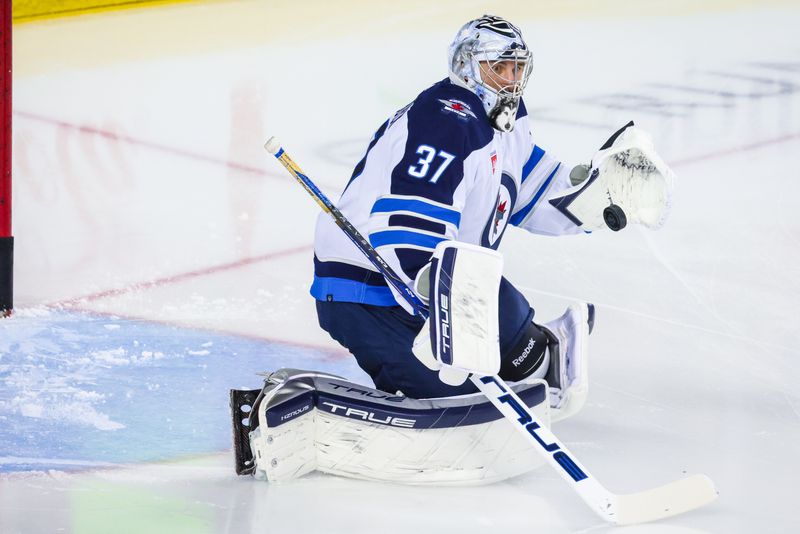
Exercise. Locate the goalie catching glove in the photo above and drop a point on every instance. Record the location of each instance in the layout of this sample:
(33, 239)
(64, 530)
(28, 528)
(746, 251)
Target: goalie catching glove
(462, 334)
(627, 181)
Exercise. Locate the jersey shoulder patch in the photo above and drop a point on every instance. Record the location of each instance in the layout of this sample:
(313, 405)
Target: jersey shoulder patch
(452, 111)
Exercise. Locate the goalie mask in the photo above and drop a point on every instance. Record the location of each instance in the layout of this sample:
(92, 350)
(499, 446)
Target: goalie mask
(489, 57)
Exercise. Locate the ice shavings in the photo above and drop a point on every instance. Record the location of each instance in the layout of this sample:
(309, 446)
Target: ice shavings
(48, 374)
(72, 389)
(31, 410)
(116, 356)
(39, 395)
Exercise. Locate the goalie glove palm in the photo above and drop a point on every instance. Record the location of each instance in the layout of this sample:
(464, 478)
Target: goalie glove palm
(626, 178)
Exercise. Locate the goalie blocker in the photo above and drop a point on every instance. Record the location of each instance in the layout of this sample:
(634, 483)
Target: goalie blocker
(303, 421)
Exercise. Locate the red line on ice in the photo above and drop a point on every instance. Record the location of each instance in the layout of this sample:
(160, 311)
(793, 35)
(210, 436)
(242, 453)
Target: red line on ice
(162, 148)
(148, 144)
(735, 150)
(181, 277)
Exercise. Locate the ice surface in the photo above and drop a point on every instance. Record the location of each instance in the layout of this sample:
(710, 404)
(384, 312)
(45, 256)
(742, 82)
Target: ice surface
(163, 257)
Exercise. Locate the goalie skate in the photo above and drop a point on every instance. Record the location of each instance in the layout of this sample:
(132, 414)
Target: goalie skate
(568, 375)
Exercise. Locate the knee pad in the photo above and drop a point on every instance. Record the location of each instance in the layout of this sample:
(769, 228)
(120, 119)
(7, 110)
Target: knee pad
(528, 355)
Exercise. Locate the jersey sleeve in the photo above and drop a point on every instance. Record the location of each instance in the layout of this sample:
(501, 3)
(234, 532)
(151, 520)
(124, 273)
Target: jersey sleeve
(543, 176)
(430, 181)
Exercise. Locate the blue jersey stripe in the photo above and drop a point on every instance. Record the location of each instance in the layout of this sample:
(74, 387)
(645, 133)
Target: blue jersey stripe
(390, 205)
(342, 290)
(536, 157)
(520, 215)
(404, 237)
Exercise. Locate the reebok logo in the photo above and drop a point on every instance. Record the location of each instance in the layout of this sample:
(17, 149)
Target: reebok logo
(518, 361)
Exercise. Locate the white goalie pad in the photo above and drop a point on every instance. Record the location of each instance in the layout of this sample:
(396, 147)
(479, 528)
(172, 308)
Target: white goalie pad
(628, 173)
(464, 329)
(307, 421)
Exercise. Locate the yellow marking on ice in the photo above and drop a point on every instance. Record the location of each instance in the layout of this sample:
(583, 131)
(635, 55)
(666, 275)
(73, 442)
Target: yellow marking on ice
(33, 10)
(195, 28)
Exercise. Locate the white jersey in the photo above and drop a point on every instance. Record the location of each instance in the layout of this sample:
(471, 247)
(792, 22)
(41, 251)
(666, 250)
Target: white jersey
(436, 170)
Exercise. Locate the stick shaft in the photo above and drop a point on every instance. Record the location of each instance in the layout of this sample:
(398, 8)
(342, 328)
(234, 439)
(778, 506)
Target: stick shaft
(355, 236)
(547, 444)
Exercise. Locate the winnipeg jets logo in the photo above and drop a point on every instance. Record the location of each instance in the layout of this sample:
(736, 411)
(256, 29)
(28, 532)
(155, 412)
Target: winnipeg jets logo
(500, 218)
(458, 107)
(499, 212)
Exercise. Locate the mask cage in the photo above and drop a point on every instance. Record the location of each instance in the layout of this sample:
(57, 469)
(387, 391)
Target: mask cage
(487, 62)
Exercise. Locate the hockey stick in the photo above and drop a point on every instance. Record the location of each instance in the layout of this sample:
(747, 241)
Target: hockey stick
(664, 501)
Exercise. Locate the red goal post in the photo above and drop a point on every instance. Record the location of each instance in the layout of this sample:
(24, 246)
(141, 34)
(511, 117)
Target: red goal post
(6, 239)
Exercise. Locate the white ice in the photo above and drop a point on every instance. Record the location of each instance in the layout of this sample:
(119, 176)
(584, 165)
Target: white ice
(141, 191)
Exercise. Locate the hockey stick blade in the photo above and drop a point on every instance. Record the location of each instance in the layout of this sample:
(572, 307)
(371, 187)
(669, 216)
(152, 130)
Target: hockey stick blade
(664, 501)
(650, 505)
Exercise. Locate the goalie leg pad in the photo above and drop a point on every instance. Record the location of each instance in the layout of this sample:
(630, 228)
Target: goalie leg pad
(312, 421)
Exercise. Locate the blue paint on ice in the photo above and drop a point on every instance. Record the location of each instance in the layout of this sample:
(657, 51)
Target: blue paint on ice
(79, 389)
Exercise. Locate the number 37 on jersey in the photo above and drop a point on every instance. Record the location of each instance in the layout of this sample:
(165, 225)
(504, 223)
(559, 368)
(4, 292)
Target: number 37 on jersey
(432, 162)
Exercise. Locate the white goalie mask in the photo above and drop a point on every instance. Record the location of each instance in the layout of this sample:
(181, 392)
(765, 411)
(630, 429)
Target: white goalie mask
(490, 58)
